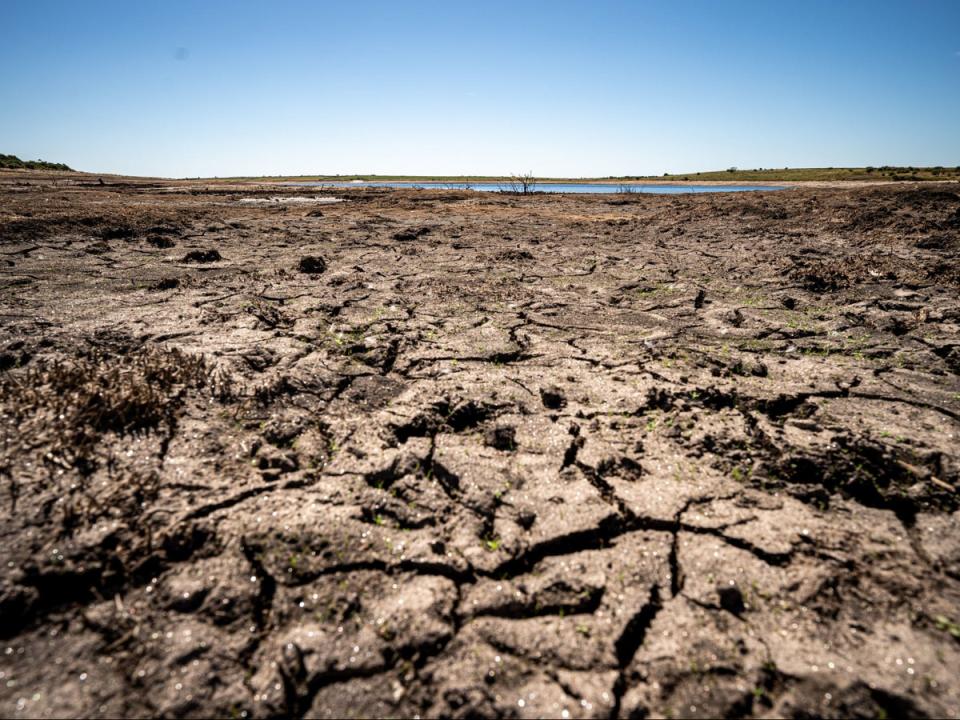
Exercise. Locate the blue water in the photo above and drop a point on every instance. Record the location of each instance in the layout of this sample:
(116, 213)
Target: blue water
(549, 187)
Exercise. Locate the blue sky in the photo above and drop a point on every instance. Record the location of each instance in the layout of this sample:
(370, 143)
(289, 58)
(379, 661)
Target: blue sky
(558, 88)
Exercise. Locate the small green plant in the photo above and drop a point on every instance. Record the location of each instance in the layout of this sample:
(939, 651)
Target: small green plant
(492, 544)
(947, 625)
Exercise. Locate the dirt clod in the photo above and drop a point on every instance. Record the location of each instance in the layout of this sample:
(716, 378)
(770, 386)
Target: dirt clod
(411, 233)
(731, 599)
(202, 256)
(312, 264)
(502, 437)
(167, 284)
(552, 397)
(161, 241)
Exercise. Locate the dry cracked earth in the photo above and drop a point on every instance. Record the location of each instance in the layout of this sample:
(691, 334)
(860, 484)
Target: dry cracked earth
(453, 454)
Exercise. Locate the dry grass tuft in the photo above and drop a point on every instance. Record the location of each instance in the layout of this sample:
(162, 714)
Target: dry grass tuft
(68, 405)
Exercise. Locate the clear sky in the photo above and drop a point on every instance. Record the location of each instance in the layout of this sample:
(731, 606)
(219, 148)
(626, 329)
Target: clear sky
(591, 88)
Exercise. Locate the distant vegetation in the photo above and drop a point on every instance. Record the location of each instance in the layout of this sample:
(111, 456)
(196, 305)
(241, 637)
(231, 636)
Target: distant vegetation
(12, 162)
(795, 174)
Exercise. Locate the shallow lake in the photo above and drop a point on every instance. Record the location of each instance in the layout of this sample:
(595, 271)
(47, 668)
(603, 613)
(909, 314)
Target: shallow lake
(551, 187)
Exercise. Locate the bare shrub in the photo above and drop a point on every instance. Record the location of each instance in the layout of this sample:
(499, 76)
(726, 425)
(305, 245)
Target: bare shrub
(522, 184)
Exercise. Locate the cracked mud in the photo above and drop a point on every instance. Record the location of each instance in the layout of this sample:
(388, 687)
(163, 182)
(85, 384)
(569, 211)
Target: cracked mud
(459, 454)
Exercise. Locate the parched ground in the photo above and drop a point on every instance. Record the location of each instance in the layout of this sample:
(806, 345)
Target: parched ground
(456, 454)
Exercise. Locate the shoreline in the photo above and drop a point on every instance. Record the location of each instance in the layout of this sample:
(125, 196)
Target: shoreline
(83, 178)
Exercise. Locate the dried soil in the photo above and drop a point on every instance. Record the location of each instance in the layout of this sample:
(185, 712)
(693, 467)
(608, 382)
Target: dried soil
(456, 454)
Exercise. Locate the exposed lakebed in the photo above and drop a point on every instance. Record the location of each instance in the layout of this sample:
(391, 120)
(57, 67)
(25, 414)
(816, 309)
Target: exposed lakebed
(454, 454)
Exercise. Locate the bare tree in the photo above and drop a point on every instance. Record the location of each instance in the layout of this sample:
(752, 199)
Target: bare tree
(522, 183)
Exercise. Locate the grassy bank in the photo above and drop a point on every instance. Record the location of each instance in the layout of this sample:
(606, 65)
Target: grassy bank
(822, 174)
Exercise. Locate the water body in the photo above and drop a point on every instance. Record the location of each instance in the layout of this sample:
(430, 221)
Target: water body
(551, 187)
